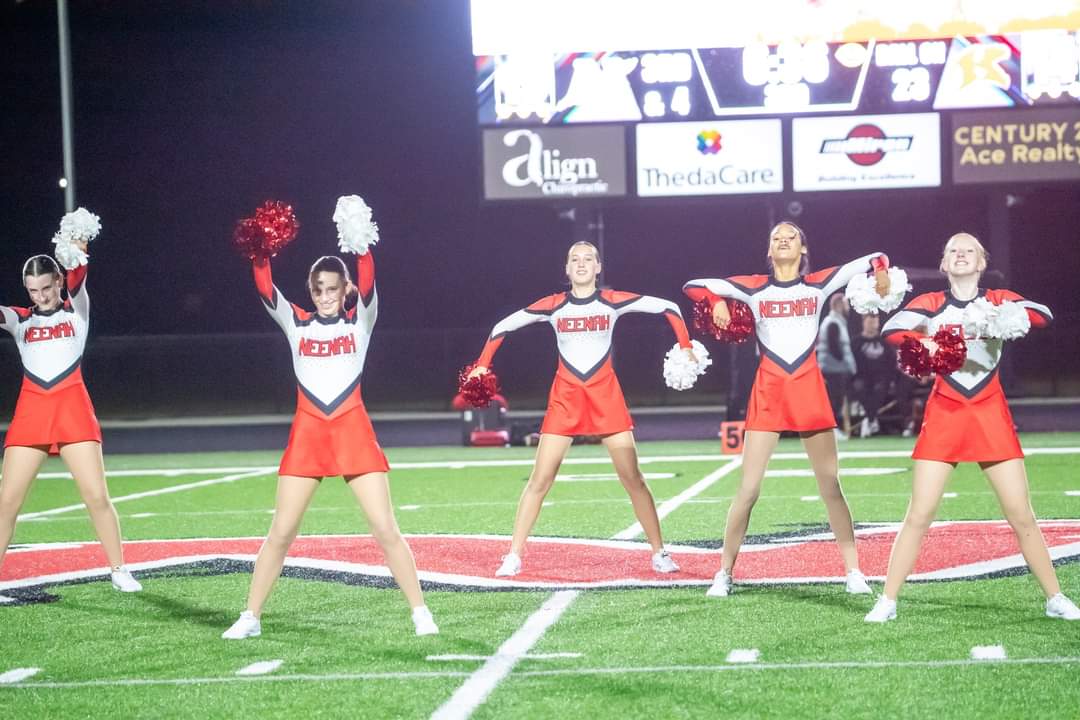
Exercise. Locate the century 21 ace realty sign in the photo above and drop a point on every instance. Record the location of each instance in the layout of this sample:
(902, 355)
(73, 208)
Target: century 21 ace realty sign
(1016, 146)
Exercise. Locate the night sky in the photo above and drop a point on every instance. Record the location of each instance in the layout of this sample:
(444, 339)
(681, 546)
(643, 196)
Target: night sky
(189, 114)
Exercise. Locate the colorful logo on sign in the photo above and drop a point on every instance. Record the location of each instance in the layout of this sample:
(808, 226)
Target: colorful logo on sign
(708, 142)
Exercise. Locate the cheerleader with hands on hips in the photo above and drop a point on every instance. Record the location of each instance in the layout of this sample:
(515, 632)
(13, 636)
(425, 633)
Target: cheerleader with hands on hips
(54, 414)
(331, 433)
(585, 397)
(967, 418)
(789, 391)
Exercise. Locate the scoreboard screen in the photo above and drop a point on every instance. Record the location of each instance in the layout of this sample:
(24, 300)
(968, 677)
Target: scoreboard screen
(999, 71)
(650, 98)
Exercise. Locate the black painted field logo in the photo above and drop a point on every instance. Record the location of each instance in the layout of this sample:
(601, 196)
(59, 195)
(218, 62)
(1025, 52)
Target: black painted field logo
(952, 551)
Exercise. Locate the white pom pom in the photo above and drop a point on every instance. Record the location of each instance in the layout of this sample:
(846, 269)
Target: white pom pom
(356, 230)
(978, 317)
(68, 254)
(1011, 321)
(680, 372)
(863, 296)
(80, 224)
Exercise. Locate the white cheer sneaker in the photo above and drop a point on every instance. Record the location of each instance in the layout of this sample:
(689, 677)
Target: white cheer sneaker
(1062, 608)
(123, 581)
(856, 583)
(511, 565)
(883, 611)
(662, 562)
(247, 626)
(424, 622)
(721, 585)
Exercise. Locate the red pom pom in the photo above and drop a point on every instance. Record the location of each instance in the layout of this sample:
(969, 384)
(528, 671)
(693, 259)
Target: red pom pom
(267, 232)
(950, 354)
(915, 360)
(738, 330)
(477, 391)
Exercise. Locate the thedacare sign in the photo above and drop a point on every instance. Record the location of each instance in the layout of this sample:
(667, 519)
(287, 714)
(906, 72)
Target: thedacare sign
(1016, 146)
(529, 163)
(865, 152)
(709, 158)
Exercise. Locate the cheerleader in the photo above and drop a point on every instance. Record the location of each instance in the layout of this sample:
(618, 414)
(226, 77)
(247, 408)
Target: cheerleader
(585, 397)
(967, 418)
(789, 391)
(331, 433)
(53, 414)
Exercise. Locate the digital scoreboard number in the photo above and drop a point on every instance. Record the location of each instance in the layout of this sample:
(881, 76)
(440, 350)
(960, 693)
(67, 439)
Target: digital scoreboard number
(1000, 71)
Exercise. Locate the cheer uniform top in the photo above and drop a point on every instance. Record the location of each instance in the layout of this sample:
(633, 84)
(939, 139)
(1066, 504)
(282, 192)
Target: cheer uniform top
(789, 391)
(967, 418)
(331, 432)
(53, 408)
(585, 397)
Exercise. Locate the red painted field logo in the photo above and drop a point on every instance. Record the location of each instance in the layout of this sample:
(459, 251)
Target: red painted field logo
(953, 551)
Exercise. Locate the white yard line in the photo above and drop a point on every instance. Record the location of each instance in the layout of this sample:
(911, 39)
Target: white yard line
(528, 462)
(531, 656)
(143, 682)
(839, 665)
(988, 652)
(474, 691)
(263, 667)
(166, 472)
(558, 672)
(744, 655)
(150, 493)
(17, 675)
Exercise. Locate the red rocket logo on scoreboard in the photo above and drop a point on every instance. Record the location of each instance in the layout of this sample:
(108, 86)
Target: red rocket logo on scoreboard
(866, 144)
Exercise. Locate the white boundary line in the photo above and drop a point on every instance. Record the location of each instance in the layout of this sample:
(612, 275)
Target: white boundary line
(149, 493)
(525, 462)
(474, 691)
(557, 672)
(165, 472)
(838, 665)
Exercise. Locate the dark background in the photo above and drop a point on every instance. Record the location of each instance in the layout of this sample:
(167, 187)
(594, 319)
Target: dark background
(189, 114)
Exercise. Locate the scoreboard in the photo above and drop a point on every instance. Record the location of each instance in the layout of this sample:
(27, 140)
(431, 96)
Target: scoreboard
(853, 67)
(1025, 69)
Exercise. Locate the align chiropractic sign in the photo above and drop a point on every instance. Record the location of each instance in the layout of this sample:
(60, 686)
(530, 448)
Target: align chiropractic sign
(554, 163)
(1011, 145)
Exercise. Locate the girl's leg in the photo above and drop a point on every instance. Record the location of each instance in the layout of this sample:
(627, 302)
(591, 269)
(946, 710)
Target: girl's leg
(821, 449)
(372, 490)
(758, 446)
(20, 468)
(1009, 480)
(87, 466)
(293, 496)
(623, 452)
(549, 456)
(927, 487)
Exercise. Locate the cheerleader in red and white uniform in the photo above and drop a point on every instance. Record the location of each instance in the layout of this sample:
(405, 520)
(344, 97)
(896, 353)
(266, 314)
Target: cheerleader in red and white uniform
(967, 420)
(54, 414)
(331, 433)
(585, 397)
(789, 391)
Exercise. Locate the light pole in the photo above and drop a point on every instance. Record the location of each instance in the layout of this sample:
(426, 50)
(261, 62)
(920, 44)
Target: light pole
(68, 181)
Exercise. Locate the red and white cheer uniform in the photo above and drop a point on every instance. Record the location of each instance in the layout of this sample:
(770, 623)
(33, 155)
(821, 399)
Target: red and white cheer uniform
(788, 392)
(53, 407)
(585, 397)
(967, 418)
(331, 432)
